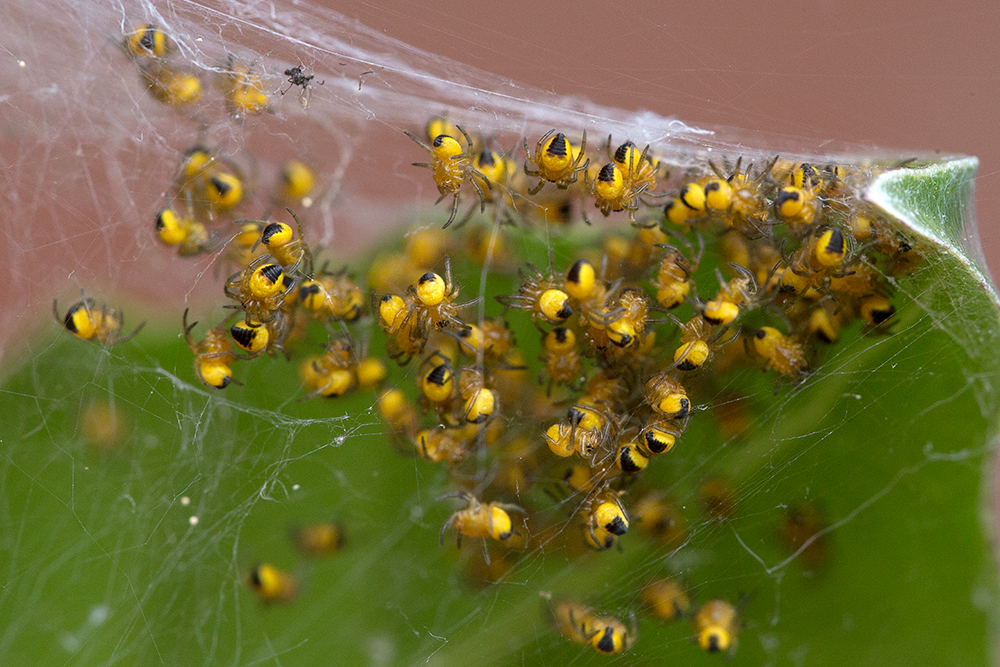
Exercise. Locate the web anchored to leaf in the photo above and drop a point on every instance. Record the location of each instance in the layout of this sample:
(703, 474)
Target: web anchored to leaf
(744, 410)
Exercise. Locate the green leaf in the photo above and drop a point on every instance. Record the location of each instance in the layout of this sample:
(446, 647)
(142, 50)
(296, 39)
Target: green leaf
(138, 554)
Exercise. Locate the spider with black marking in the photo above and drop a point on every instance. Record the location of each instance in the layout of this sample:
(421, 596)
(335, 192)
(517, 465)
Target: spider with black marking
(297, 77)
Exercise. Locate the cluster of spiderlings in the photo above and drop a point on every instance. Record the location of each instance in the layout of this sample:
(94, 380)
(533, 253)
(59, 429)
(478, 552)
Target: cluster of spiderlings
(620, 369)
(278, 293)
(274, 268)
(715, 623)
(179, 85)
(801, 256)
(626, 181)
(275, 286)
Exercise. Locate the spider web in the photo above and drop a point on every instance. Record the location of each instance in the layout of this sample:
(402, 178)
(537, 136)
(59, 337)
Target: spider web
(132, 546)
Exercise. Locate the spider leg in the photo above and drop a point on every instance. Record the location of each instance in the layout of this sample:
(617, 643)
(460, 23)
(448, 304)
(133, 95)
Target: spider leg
(419, 143)
(479, 191)
(447, 275)
(541, 142)
(131, 335)
(464, 495)
(187, 328)
(466, 217)
(583, 150)
(454, 210)
(444, 529)
(486, 553)
(468, 139)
